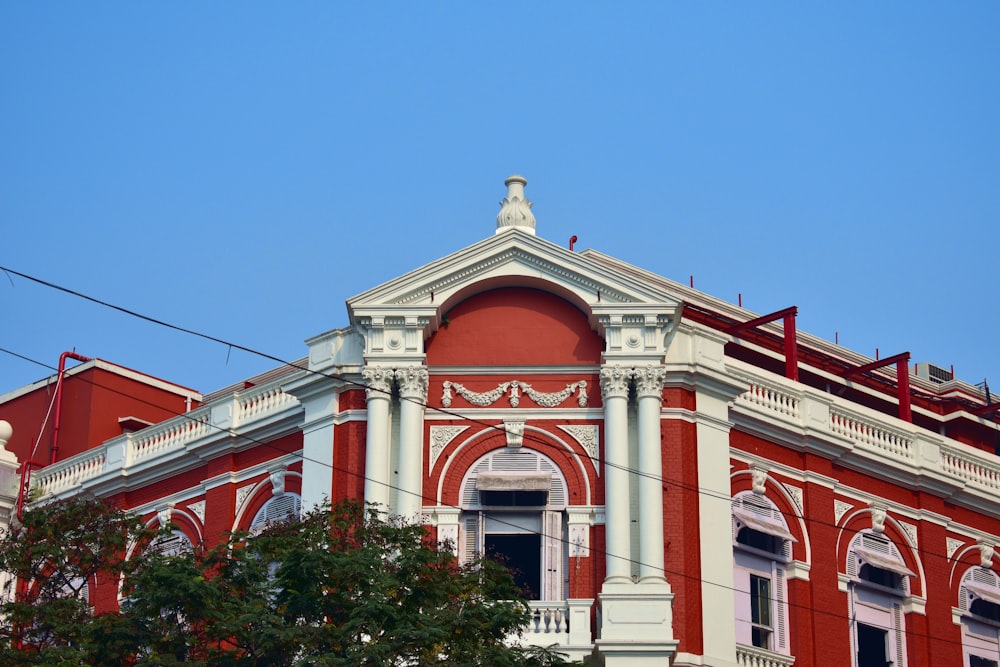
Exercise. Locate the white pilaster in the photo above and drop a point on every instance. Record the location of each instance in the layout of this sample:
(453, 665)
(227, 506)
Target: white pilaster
(412, 382)
(378, 393)
(649, 392)
(614, 389)
(318, 396)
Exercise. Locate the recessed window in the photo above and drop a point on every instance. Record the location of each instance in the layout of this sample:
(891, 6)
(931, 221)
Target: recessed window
(873, 646)
(514, 498)
(761, 549)
(758, 540)
(760, 611)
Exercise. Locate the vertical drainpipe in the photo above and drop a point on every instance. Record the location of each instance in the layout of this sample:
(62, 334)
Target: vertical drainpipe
(59, 387)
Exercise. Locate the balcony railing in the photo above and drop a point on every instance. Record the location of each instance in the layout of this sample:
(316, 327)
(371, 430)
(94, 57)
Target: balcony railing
(840, 429)
(169, 438)
(751, 656)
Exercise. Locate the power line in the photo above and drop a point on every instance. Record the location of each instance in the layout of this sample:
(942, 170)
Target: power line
(595, 460)
(346, 380)
(563, 540)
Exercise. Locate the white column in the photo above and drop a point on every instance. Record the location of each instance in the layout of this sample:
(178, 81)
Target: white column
(614, 390)
(649, 392)
(379, 387)
(412, 383)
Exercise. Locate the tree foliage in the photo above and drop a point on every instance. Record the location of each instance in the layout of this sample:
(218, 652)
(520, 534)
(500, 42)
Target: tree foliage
(342, 586)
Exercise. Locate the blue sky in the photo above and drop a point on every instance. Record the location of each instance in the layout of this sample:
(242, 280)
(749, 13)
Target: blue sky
(243, 168)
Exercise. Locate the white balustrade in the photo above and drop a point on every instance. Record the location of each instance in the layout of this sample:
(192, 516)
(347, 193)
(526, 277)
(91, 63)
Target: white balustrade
(170, 435)
(260, 402)
(751, 656)
(548, 618)
(866, 431)
(971, 465)
(71, 472)
(771, 397)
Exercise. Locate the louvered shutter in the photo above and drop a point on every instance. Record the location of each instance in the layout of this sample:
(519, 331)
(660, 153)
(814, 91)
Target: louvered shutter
(779, 609)
(552, 555)
(285, 507)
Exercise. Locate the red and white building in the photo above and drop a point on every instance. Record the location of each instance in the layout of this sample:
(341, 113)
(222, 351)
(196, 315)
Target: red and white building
(677, 480)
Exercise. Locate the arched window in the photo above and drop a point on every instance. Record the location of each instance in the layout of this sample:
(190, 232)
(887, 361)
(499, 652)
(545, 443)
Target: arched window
(282, 507)
(979, 602)
(761, 550)
(879, 579)
(513, 503)
(172, 544)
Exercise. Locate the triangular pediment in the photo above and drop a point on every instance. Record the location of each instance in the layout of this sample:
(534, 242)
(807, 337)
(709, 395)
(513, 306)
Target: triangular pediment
(417, 300)
(510, 258)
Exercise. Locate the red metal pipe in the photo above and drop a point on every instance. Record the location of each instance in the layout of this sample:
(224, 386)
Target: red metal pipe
(572, 242)
(59, 385)
(22, 490)
(902, 361)
(787, 315)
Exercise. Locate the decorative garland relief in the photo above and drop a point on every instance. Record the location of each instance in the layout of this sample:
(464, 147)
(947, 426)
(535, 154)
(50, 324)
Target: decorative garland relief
(514, 388)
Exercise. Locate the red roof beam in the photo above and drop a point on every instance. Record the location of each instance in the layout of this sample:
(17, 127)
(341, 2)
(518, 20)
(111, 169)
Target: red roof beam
(791, 342)
(902, 361)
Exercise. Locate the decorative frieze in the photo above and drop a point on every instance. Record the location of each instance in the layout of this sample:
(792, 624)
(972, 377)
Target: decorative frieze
(953, 545)
(796, 494)
(198, 509)
(440, 437)
(840, 508)
(242, 494)
(514, 388)
(587, 436)
(910, 530)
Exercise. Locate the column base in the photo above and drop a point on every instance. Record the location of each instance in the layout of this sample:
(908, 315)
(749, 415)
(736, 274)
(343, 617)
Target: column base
(636, 626)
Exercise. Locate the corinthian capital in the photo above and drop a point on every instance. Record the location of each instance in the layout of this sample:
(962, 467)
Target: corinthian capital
(378, 380)
(614, 381)
(649, 380)
(412, 382)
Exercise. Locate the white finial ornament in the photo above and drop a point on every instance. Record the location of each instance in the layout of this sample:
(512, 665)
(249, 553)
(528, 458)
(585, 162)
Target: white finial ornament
(6, 431)
(515, 209)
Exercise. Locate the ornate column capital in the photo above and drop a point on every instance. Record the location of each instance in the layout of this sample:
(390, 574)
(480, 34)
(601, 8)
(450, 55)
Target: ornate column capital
(649, 380)
(412, 381)
(378, 381)
(615, 381)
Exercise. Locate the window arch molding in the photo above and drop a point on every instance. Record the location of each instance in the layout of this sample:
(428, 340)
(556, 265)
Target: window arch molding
(513, 504)
(861, 521)
(467, 453)
(263, 492)
(185, 521)
(878, 581)
(776, 493)
(978, 610)
(762, 552)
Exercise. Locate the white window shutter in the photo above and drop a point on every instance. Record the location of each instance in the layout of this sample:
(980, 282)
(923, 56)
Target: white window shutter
(741, 582)
(552, 556)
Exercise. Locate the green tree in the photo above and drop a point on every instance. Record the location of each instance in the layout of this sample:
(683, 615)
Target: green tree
(340, 586)
(50, 557)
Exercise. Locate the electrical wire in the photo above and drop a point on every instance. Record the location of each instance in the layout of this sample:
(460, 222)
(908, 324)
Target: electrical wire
(362, 385)
(565, 541)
